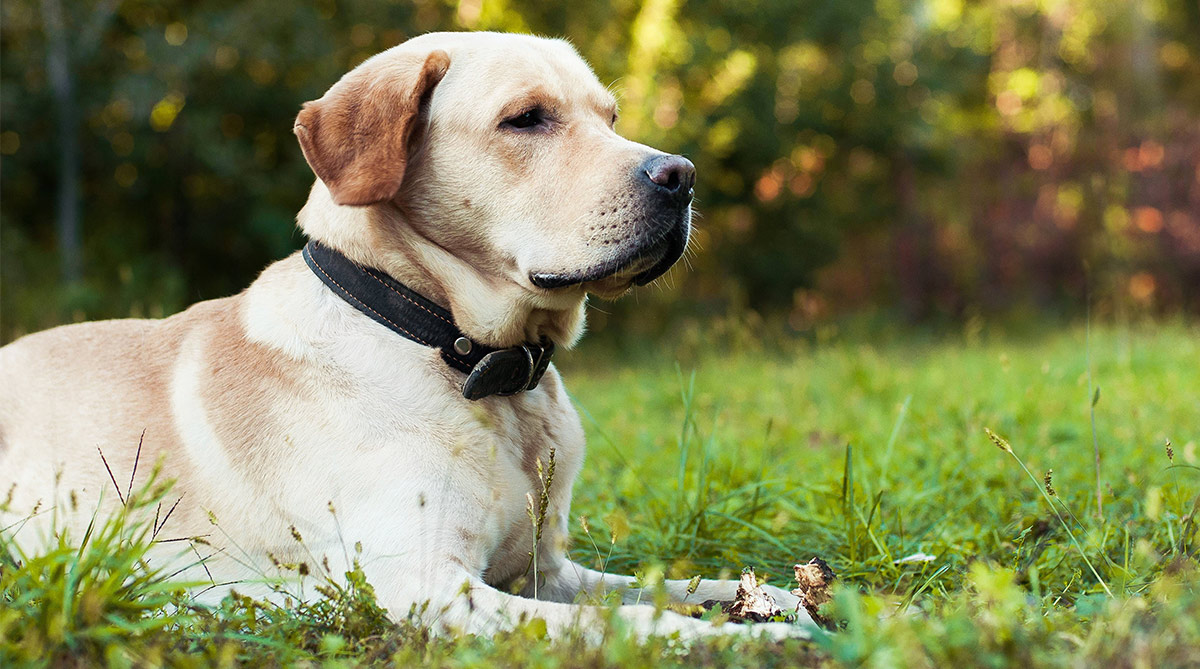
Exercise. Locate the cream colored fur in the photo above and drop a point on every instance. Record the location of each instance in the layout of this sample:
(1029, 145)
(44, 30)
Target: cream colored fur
(269, 406)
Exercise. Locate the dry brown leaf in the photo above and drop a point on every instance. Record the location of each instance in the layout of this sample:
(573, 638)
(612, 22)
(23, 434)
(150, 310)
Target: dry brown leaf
(813, 580)
(752, 602)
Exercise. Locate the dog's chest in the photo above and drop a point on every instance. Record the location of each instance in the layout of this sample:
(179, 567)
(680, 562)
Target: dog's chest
(538, 450)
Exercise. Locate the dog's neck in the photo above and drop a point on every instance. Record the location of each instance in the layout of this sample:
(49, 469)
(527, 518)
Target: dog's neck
(492, 310)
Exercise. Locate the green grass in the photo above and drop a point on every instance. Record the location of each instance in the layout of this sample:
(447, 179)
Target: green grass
(742, 454)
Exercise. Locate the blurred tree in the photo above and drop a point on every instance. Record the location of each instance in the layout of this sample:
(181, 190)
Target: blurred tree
(61, 57)
(950, 157)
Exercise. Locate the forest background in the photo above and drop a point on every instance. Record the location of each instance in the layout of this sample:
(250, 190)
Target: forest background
(925, 161)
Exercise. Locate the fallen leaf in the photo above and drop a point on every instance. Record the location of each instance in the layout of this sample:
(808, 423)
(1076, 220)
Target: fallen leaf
(813, 581)
(752, 602)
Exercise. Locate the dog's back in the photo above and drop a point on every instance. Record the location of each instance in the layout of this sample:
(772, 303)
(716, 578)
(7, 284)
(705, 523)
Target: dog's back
(72, 393)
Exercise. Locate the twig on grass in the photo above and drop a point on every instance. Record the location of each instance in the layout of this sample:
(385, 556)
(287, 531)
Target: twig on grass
(110, 476)
(158, 526)
(136, 458)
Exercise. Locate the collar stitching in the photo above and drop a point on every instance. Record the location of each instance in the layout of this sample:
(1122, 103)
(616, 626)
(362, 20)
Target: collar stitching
(410, 300)
(490, 371)
(365, 305)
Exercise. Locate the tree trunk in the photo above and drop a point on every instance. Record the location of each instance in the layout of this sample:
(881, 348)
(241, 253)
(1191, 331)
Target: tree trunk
(58, 65)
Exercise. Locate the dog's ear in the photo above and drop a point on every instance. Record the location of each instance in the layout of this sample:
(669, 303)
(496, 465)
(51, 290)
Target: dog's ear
(356, 136)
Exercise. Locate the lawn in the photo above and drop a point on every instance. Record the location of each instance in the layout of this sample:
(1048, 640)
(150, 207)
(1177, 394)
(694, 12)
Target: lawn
(709, 453)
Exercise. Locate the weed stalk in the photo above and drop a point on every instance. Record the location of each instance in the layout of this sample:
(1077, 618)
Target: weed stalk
(537, 513)
(1095, 394)
(1003, 445)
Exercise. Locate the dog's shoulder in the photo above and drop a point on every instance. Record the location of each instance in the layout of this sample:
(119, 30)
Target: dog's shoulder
(99, 346)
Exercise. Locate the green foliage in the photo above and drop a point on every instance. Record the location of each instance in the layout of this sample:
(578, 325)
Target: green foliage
(744, 462)
(88, 596)
(945, 157)
(992, 623)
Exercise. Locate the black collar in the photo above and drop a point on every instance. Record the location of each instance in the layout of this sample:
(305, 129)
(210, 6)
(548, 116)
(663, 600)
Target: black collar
(490, 371)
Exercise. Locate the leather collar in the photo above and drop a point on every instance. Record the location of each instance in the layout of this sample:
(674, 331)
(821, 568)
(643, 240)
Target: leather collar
(490, 371)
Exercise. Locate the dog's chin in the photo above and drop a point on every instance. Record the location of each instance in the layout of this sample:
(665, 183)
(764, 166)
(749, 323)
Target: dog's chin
(666, 252)
(615, 285)
(613, 278)
(609, 288)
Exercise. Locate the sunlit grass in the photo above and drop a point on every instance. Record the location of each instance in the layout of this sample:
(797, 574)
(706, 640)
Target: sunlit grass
(858, 452)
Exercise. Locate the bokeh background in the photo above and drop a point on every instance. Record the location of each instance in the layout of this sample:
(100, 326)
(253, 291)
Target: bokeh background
(932, 161)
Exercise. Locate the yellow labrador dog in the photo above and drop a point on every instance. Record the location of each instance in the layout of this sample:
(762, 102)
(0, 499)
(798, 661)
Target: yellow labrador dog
(471, 192)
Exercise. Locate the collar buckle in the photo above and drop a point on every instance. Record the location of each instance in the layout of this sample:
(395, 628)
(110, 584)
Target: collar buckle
(508, 371)
(394, 306)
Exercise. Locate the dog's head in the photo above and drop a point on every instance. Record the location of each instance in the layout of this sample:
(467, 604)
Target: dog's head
(501, 149)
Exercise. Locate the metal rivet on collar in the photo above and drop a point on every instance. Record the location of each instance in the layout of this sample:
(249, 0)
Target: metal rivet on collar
(462, 345)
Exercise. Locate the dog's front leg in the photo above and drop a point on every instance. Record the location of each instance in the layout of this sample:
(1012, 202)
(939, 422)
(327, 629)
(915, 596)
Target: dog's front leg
(474, 607)
(569, 579)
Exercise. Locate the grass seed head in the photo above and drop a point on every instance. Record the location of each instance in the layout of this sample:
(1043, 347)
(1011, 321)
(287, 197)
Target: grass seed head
(1048, 480)
(1000, 442)
(1170, 452)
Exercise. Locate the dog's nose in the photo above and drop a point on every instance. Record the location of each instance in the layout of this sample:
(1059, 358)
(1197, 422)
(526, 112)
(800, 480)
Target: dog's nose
(673, 176)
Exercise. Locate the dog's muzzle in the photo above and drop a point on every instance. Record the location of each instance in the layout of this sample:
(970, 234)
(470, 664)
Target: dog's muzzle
(668, 183)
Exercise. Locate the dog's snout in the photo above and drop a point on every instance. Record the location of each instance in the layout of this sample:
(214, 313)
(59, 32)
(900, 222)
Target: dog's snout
(671, 175)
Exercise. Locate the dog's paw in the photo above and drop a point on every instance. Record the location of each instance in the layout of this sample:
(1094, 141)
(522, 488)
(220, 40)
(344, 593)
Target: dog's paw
(790, 604)
(647, 622)
(777, 631)
(692, 629)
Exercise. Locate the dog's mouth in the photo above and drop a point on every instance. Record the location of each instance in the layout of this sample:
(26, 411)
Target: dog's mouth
(639, 266)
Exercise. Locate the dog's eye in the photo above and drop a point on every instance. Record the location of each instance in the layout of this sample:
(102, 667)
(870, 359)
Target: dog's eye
(613, 122)
(527, 119)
